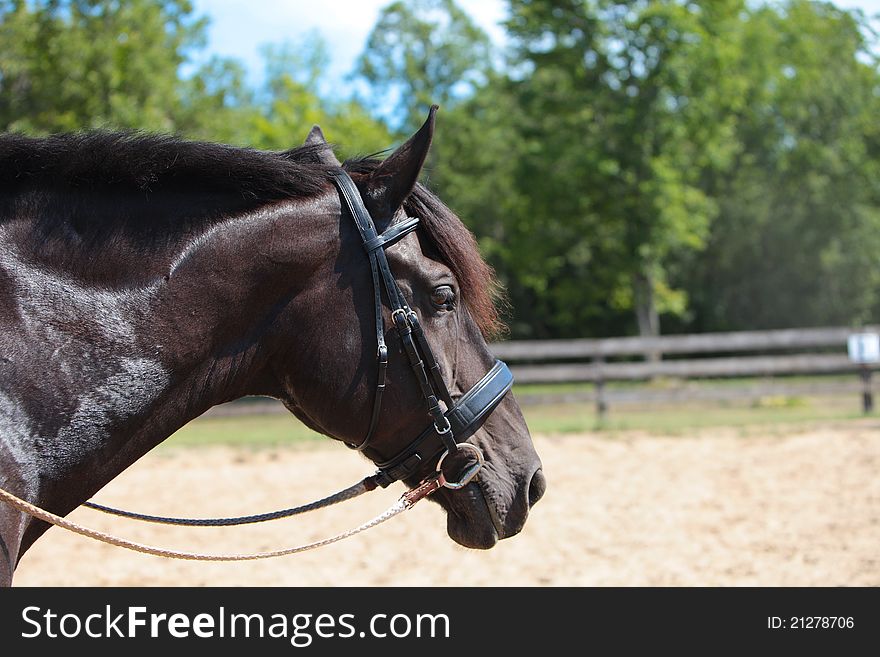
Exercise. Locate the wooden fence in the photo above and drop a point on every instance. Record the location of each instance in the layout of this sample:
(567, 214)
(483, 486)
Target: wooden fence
(779, 353)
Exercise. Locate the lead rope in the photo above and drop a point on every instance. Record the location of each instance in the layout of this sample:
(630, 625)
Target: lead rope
(406, 501)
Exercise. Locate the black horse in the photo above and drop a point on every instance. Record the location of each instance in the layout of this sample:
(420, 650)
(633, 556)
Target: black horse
(145, 279)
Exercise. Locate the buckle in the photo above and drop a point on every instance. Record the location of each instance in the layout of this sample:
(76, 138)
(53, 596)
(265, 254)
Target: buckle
(401, 313)
(445, 429)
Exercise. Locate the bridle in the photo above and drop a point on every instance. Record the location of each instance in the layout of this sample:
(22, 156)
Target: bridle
(461, 418)
(446, 435)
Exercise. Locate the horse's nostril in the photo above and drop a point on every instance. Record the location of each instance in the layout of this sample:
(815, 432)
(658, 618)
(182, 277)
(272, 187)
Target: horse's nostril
(537, 486)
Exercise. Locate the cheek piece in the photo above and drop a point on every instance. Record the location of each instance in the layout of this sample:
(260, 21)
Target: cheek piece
(449, 427)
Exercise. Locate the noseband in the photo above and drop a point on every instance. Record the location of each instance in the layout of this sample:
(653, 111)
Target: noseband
(460, 419)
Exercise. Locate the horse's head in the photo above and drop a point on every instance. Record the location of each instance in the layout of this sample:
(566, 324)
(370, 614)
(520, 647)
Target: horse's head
(329, 378)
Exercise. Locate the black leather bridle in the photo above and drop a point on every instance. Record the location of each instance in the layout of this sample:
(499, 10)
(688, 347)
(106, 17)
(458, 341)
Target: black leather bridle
(460, 419)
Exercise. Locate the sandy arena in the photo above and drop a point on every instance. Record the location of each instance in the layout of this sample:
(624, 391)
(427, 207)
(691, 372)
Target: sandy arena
(794, 506)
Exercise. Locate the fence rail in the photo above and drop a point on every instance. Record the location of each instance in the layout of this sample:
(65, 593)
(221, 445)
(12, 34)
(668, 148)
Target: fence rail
(791, 339)
(686, 369)
(687, 392)
(810, 351)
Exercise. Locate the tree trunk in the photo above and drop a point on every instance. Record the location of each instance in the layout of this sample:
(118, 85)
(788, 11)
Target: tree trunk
(646, 310)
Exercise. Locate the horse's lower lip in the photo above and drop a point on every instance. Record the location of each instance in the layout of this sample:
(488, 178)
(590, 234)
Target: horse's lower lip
(461, 535)
(481, 532)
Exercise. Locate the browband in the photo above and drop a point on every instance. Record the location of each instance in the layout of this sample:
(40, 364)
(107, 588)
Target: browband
(392, 234)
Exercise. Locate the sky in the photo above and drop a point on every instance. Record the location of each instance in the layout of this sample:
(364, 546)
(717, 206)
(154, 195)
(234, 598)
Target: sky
(239, 27)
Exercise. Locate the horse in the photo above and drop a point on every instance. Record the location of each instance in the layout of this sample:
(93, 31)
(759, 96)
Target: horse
(146, 278)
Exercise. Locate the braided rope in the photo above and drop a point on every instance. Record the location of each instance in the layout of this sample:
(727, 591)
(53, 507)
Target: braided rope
(407, 500)
(363, 486)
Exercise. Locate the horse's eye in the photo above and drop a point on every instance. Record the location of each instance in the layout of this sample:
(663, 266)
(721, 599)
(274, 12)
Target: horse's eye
(443, 297)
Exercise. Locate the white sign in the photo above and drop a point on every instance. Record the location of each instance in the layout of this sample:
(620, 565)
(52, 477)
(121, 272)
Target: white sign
(864, 347)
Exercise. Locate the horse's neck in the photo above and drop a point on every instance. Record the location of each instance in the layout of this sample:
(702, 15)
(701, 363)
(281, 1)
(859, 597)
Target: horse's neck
(96, 378)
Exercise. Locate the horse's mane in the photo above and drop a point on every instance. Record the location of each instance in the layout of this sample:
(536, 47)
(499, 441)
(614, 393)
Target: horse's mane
(152, 164)
(479, 288)
(131, 175)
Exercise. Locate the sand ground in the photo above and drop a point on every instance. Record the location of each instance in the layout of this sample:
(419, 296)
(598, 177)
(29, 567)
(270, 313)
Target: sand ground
(777, 506)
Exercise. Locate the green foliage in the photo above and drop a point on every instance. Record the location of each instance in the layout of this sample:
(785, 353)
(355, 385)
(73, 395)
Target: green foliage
(713, 162)
(798, 233)
(608, 136)
(292, 103)
(74, 64)
(216, 104)
(420, 53)
(69, 65)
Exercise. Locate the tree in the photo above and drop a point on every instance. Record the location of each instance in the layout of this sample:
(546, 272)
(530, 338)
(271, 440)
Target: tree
(798, 230)
(216, 104)
(421, 53)
(713, 163)
(72, 64)
(68, 65)
(291, 103)
(617, 110)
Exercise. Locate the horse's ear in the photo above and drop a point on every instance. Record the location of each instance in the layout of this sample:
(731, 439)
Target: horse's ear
(315, 137)
(395, 178)
(325, 154)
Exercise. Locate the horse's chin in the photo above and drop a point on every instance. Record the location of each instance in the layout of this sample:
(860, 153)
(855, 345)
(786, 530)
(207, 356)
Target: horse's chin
(469, 520)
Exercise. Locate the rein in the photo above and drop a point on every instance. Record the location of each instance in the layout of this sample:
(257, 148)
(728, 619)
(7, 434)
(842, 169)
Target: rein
(406, 501)
(363, 486)
(444, 436)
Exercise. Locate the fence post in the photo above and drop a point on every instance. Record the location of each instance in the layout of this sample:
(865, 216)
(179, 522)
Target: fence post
(601, 402)
(867, 392)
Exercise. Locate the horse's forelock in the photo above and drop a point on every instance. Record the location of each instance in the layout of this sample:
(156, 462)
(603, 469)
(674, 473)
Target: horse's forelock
(480, 289)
